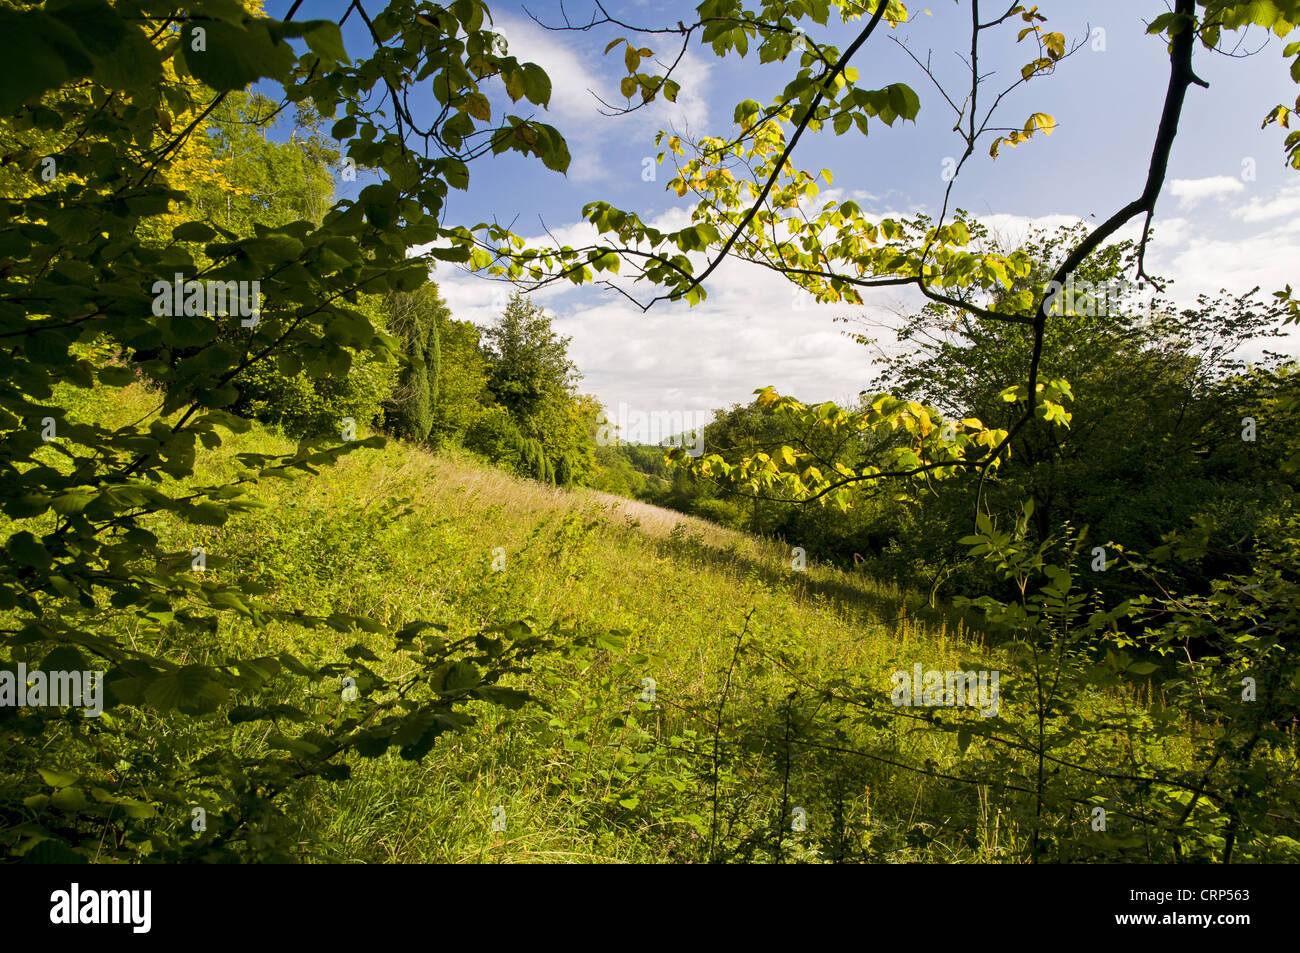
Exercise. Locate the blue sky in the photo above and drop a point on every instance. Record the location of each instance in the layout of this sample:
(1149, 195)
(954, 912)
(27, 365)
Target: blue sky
(1229, 216)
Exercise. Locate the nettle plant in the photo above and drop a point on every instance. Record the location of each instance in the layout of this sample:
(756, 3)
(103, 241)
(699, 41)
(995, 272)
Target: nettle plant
(198, 742)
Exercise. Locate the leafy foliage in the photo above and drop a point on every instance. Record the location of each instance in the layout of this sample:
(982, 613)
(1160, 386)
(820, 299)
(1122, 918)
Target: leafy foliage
(416, 318)
(87, 583)
(132, 544)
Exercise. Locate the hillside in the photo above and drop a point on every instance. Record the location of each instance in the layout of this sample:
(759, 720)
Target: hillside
(401, 534)
(697, 697)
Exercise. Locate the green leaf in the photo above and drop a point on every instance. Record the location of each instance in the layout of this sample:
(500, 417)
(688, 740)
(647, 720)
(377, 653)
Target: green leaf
(192, 684)
(207, 514)
(904, 101)
(38, 53)
(56, 778)
(194, 232)
(459, 676)
(345, 128)
(245, 713)
(50, 851)
(26, 550)
(514, 80)
(963, 739)
(69, 799)
(511, 698)
(537, 85)
(325, 40)
(228, 57)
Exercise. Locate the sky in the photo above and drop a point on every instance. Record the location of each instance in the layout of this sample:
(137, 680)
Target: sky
(1227, 217)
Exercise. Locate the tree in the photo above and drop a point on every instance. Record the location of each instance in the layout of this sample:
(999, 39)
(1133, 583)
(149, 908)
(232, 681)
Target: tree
(531, 376)
(751, 203)
(529, 371)
(462, 380)
(113, 93)
(416, 317)
(265, 184)
(1147, 379)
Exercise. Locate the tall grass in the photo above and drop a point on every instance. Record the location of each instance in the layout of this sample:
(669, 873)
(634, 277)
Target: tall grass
(599, 773)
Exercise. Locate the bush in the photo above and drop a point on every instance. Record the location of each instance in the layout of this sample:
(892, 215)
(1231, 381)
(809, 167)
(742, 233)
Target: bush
(725, 512)
(304, 405)
(493, 435)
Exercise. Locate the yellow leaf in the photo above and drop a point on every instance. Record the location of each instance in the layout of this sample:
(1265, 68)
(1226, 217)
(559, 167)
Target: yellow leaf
(1281, 114)
(477, 105)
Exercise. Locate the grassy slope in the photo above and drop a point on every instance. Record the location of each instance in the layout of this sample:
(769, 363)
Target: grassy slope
(400, 534)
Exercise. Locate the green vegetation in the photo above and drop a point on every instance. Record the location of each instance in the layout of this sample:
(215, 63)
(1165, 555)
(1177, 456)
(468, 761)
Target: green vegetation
(1153, 449)
(416, 318)
(798, 663)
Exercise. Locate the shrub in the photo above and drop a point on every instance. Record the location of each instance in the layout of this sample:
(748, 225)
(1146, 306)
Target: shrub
(303, 405)
(724, 512)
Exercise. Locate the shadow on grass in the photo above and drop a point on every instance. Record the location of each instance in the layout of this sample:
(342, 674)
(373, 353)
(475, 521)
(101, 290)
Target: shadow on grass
(869, 602)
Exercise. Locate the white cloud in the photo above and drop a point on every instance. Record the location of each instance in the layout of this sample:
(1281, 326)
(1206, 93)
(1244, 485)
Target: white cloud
(1285, 202)
(751, 331)
(1168, 232)
(570, 78)
(1203, 264)
(1189, 192)
(1011, 230)
(756, 329)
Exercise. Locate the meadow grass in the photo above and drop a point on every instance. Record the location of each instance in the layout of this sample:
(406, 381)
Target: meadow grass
(595, 772)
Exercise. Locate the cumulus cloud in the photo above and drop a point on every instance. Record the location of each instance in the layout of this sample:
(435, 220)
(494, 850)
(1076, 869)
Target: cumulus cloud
(1285, 202)
(1190, 192)
(1011, 230)
(1206, 264)
(756, 329)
